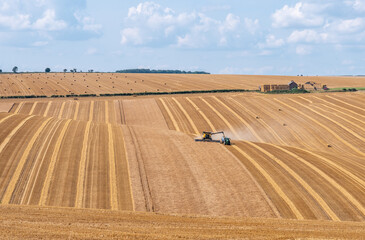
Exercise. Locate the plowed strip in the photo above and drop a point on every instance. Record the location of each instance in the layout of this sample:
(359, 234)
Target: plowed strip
(129, 173)
(346, 114)
(203, 115)
(263, 123)
(176, 126)
(8, 116)
(325, 127)
(325, 176)
(35, 172)
(222, 117)
(187, 116)
(337, 123)
(261, 170)
(348, 173)
(112, 174)
(306, 186)
(344, 119)
(272, 182)
(14, 179)
(20, 105)
(33, 107)
(348, 104)
(61, 110)
(91, 113)
(7, 139)
(82, 168)
(337, 106)
(47, 109)
(77, 110)
(240, 118)
(332, 120)
(106, 112)
(47, 182)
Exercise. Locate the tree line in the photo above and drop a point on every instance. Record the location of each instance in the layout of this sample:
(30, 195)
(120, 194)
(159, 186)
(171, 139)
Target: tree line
(146, 70)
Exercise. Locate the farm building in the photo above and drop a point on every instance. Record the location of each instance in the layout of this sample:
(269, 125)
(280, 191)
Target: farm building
(278, 87)
(313, 86)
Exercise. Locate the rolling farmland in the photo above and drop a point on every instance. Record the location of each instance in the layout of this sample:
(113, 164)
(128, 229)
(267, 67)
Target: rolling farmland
(298, 158)
(48, 84)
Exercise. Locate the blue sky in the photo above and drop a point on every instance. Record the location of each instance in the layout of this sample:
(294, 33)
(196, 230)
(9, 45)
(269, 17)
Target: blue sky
(278, 37)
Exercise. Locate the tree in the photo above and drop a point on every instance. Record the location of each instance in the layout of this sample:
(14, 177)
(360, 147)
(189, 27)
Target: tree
(15, 69)
(47, 70)
(91, 70)
(65, 70)
(1, 70)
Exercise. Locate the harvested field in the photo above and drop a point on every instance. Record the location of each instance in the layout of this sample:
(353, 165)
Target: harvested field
(100, 83)
(20, 222)
(6, 107)
(299, 159)
(197, 186)
(43, 163)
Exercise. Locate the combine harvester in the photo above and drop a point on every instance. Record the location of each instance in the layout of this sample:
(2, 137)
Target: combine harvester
(207, 137)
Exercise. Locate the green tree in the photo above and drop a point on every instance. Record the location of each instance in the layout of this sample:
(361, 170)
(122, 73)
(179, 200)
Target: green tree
(47, 70)
(15, 69)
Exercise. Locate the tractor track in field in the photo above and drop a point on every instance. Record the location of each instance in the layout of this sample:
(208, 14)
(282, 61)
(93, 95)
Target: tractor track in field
(53, 160)
(80, 193)
(325, 127)
(16, 175)
(149, 206)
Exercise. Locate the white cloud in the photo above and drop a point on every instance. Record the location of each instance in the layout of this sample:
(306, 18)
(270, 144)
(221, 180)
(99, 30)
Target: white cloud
(149, 23)
(308, 35)
(15, 22)
(44, 20)
(251, 25)
(144, 9)
(303, 50)
(131, 35)
(231, 23)
(272, 42)
(302, 14)
(87, 23)
(350, 25)
(40, 43)
(358, 5)
(48, 22)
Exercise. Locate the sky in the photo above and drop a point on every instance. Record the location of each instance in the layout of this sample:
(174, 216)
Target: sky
(270, 37)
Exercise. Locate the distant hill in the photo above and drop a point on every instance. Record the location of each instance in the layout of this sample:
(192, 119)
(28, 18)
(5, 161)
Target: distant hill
(141, 70)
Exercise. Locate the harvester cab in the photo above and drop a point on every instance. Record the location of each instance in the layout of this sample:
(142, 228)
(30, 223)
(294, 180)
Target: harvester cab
(207, 137)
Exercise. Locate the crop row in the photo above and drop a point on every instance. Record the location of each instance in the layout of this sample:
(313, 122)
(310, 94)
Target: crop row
(43, 163)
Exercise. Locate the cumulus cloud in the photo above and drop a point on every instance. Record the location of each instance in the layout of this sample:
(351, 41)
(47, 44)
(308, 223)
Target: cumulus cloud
(302, 14)
(358, 5)
(87, 23)
(251, 25)
(53, 19)
(350, 25)
(49, 22)
(272, 42)
(303, 50)
(151, 24)
(131, 35)
(307, 35)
